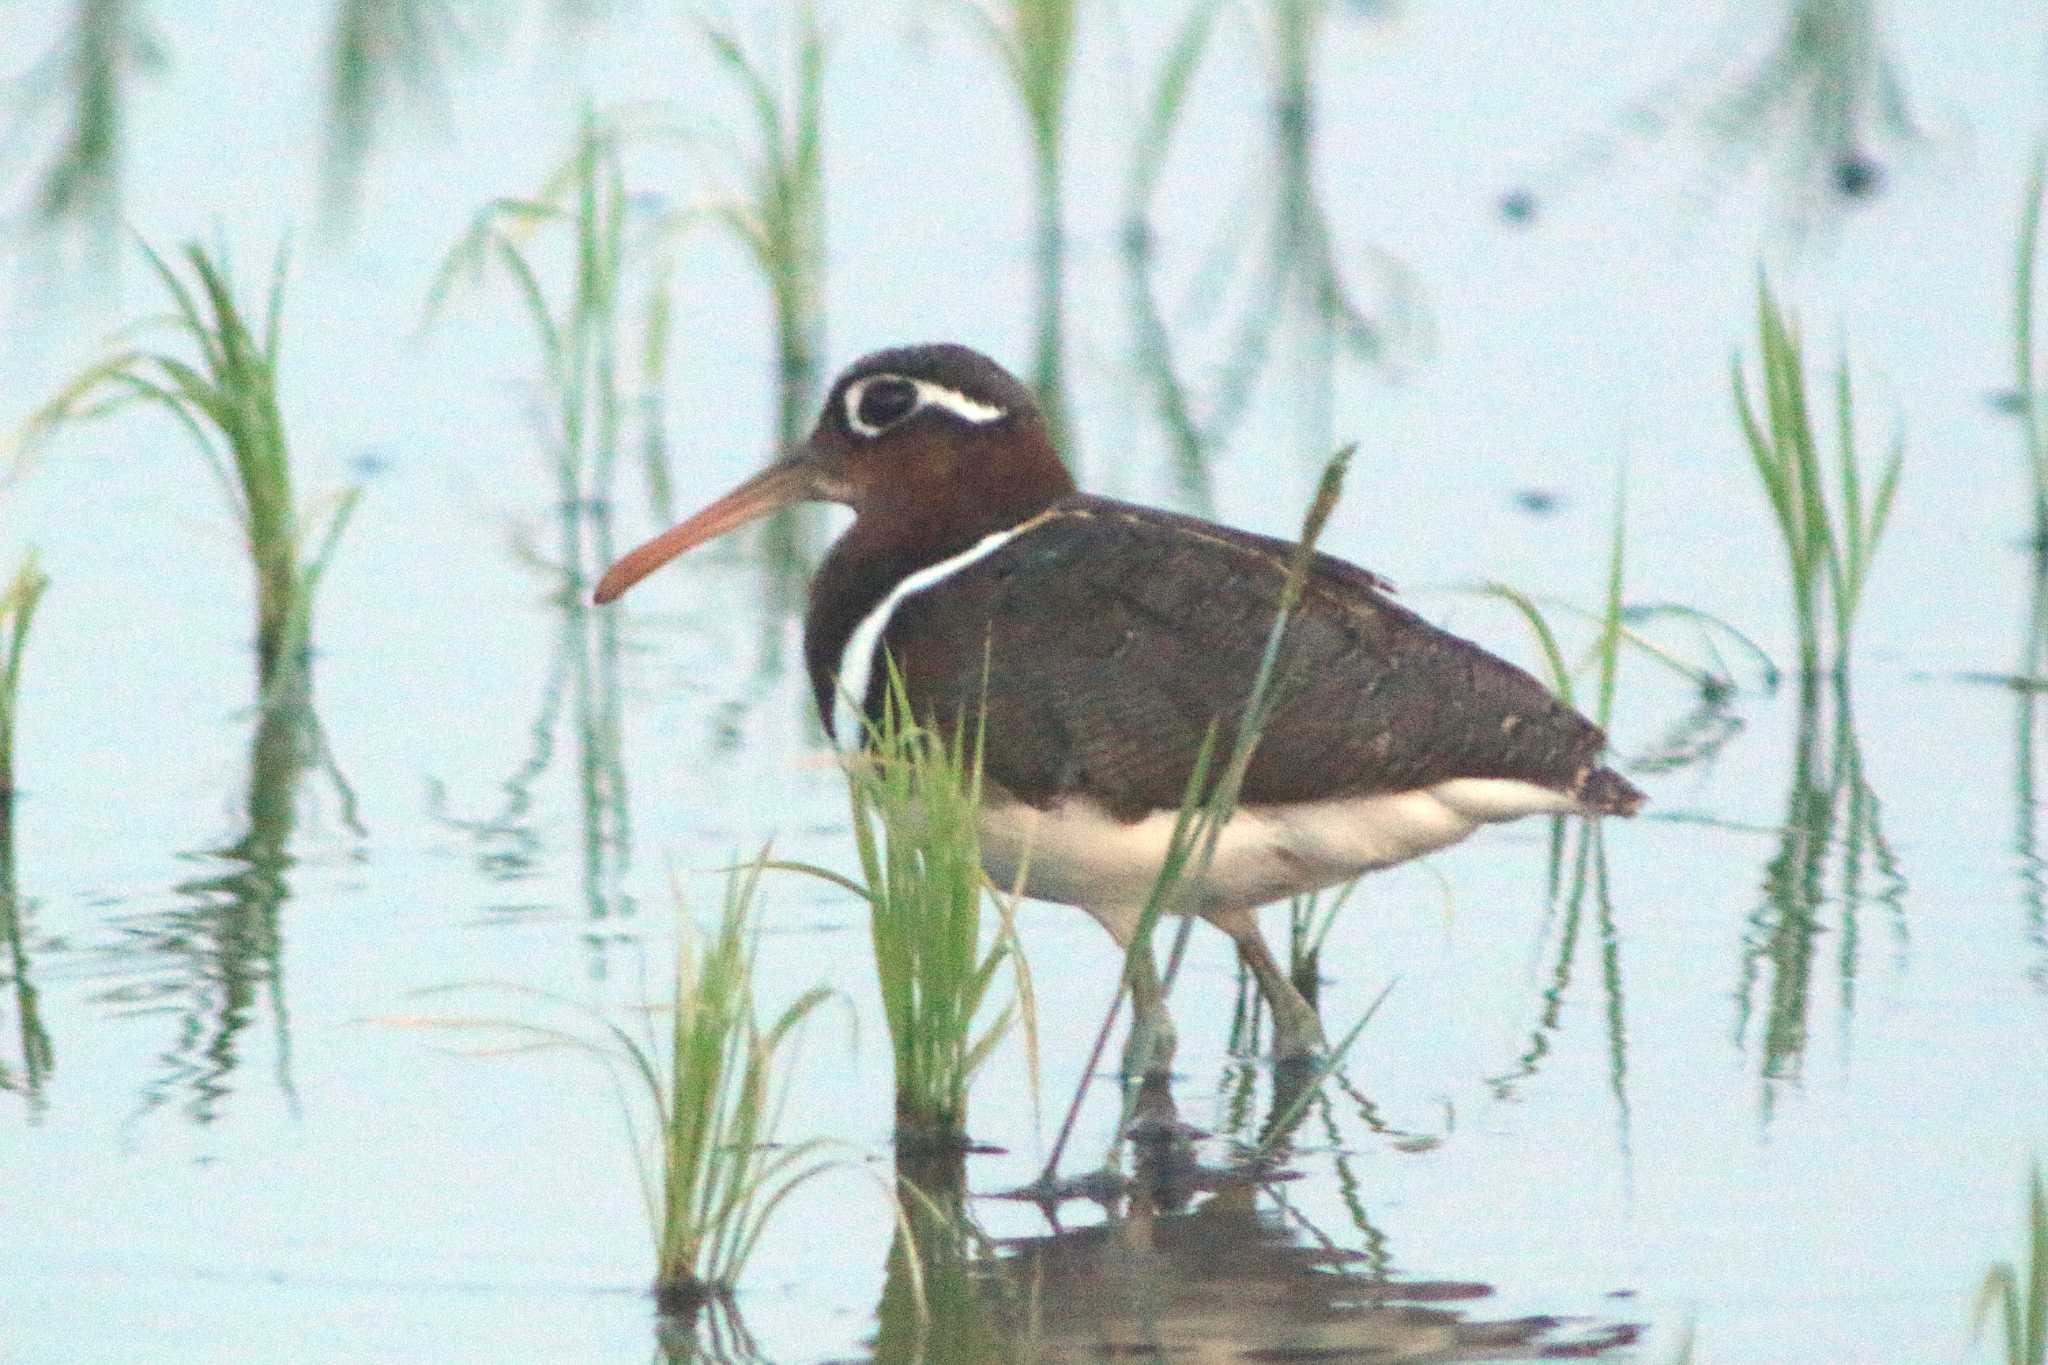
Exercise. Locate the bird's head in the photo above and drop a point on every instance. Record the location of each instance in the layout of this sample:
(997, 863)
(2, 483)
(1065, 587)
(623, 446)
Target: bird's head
(933, 440)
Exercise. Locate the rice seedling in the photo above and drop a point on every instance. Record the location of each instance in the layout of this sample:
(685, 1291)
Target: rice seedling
(2020, 1306)
(377, 48)
(1818, 93)
(578, 336)
(1192, 437)
(721, 1174)
(655, 336)
(1829, 540)
(1829, 76)
(381, 51)
(38, 1053)
(87, 71)
(1304, 251)
(1618, 627)
(1309, 921)
(2025, 681)
(1833, 817)
(1622, 626)
(1034, 39)
(2027, 690)
(581, 224)
(1206, 809)
(17, 613)
(916, 798)
(2027, 394)
(1579, 847)
(228, 403)
(780, 220)
(703, 1102)
(1300, 277)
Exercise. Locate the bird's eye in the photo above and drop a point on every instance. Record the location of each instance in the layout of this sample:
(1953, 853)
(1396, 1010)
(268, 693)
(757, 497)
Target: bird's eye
(883, 402)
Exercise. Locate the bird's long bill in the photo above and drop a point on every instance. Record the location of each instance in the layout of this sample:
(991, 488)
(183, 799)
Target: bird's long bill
(777, 486)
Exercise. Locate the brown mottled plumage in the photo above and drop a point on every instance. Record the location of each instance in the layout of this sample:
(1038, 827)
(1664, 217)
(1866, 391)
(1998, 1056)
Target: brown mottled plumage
(1117, 634)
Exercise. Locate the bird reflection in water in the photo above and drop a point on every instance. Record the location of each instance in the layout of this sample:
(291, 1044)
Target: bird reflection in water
(1190, 1261)
(1235, 1272)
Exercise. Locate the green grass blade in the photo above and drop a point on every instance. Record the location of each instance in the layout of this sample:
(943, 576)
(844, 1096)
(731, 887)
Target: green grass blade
(1770, 469)
(1546, 639)
(17, 614)
(1283, 1124)
(1709, 625)
(914, 796)
(226, 398)
(1610, 625)
(1829, 538)
(2023, 288)
(1887, 489)
(1169, 97)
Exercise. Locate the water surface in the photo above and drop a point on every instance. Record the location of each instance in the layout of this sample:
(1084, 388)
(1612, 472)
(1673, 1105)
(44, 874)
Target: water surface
(1772, 1084)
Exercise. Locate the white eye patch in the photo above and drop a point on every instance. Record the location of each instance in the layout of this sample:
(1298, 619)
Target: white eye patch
(957, 403)
(928, 395)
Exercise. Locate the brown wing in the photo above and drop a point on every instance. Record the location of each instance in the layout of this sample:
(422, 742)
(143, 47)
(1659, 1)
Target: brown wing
(1115, 635)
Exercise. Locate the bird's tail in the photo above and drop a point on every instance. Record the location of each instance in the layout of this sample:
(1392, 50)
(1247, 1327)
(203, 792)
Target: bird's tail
(1603, 791)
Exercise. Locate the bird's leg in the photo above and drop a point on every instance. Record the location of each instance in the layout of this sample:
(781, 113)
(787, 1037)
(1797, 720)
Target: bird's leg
(1149, 1052)
(1142, 1058)
(1297, 1030)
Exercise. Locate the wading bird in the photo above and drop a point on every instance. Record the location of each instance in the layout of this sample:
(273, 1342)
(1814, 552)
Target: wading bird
(1099, 642)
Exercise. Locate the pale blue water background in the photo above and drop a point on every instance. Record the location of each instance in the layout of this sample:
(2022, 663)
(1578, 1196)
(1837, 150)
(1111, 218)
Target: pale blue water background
(349, 1189)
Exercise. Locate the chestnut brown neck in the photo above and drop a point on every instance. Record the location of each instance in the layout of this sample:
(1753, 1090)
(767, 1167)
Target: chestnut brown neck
(936, 501)
(933, 503)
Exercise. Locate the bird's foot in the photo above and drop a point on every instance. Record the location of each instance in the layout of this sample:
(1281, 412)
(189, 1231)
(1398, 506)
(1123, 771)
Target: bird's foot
(1298, 1038)
(1153, 1116)
(1148, 1054)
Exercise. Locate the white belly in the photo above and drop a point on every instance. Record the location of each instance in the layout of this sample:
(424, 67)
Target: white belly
(1077, 853)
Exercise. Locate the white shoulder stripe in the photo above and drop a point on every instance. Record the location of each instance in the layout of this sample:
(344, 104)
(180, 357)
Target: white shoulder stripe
(857, 659)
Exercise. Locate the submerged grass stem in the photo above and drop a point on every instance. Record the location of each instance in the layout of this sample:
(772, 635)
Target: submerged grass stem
(17, 612)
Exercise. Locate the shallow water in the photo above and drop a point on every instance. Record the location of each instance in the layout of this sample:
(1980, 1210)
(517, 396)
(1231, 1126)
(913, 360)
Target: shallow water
(1783, 1094)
